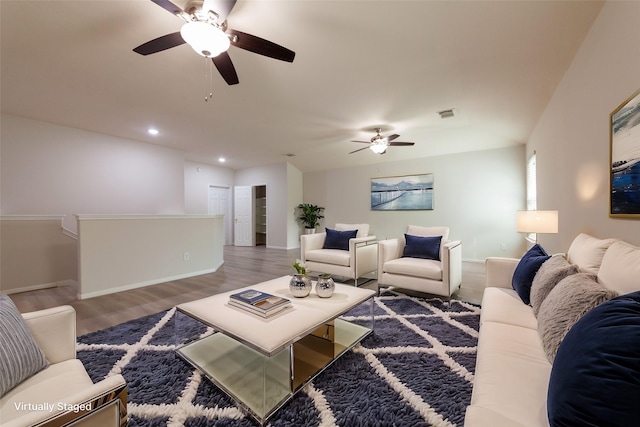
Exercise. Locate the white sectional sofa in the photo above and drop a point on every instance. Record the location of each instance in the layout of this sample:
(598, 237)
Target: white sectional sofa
(512, 369)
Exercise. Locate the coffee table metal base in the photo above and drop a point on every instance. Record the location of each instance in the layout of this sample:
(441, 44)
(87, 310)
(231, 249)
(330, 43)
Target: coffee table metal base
(259, 383)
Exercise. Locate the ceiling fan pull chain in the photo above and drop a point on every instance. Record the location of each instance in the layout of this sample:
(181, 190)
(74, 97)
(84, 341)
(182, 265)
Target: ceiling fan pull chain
(208, 78)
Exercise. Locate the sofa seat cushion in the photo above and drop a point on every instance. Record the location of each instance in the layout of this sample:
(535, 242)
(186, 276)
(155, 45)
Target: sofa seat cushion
(620, 268)
(51, 385)
(416, 267)
(505, 306)
(512, 374)
(329, 256)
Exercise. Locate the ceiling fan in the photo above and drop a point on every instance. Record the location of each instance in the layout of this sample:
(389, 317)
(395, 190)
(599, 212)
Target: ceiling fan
(379, 143)
(206, 32)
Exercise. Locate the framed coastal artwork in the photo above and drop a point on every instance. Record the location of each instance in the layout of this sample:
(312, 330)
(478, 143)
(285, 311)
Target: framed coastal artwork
(402, 193)
(625, 159)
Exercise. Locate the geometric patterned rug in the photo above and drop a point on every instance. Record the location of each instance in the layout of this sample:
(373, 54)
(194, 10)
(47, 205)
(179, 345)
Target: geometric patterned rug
(416, 369)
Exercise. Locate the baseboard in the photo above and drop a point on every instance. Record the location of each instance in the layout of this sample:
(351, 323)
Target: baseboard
(81, 295)
(29, 288)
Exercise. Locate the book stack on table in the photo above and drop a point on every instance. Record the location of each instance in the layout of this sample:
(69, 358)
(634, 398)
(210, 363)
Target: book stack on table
(257, 302)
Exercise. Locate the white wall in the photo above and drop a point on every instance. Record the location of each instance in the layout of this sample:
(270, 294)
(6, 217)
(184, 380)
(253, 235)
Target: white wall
(294, 198)
(50, 169)
(571, 138)
(120, 252)
(476, 195)
(197, 179)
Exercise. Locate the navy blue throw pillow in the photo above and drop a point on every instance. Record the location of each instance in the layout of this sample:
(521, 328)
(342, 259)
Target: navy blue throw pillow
(595, 378)
(526, 270)
(338, 239)
(422, 247)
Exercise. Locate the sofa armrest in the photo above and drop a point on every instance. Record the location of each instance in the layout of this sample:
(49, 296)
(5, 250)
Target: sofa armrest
(364, 253)
(387, 250)
(452, 264)
(82, 406)
(311, 242)
(500, 271)
(54, 329)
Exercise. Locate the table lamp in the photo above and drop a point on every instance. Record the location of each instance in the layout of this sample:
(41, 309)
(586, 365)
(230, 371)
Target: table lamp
(537, 222)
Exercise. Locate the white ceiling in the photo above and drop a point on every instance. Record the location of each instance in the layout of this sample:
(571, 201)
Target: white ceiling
(359, 64)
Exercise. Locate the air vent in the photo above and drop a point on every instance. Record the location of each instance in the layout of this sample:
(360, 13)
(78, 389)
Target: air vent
(445, 114)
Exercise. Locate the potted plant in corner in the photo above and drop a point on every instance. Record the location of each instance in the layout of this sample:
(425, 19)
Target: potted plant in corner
(310, 215)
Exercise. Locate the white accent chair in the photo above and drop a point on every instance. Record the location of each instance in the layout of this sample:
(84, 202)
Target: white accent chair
(441, 278)
(65, 385)
(360, 259)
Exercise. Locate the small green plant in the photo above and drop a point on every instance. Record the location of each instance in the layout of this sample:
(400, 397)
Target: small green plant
(310, 215)
(300, 267)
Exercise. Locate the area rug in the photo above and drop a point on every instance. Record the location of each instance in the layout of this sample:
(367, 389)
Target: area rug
(416, 369)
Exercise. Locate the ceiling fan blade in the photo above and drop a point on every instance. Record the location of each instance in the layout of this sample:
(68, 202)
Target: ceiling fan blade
(221, 7)
(161, 43)
(260, 46)
(360, 149)
(401, 144)
(392, 137)
(168, 6)
(364, 142)
(225, 67)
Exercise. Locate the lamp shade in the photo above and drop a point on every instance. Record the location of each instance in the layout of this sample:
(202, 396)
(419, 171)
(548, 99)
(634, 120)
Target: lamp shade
(206, 39)
(537, 221)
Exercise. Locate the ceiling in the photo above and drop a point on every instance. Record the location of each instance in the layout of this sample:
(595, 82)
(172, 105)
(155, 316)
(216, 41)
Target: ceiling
(359, 65)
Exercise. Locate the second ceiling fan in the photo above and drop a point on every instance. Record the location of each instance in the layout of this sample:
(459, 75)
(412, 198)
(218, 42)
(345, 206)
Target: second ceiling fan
(206, 32)
(379, 143)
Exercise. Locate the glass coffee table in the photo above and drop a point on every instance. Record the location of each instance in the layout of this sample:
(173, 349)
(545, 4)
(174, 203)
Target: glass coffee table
(261, 363)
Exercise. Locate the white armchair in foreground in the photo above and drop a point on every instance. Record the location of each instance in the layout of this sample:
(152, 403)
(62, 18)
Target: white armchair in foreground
(438, 273)
(61, 394)
(339, 254)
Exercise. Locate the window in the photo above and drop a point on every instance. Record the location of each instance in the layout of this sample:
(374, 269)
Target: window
(532, 199)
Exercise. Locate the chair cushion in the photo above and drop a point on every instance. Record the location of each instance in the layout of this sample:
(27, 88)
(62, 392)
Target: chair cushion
(51, 385)
(329, 256)
(363, 229)
(551, 272)
(526, 271)
(422, 247)
(20, 355)
(565, 305)
(417, 267)
(587, 251)
(595, 379)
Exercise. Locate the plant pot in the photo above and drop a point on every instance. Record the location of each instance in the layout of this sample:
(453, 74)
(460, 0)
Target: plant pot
(300, 285)
(309, 230)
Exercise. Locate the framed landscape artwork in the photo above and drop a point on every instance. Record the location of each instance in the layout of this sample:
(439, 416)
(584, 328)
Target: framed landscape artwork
(402, 193)
(625, 159)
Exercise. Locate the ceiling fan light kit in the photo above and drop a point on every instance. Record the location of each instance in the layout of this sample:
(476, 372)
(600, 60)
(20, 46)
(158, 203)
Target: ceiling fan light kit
(379, 143)
(206, 39)
(206, 32)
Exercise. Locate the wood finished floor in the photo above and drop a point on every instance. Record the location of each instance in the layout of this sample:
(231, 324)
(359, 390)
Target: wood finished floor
(243, 266)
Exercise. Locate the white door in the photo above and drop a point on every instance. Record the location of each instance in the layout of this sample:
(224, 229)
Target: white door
(219, 205)
(243, 218)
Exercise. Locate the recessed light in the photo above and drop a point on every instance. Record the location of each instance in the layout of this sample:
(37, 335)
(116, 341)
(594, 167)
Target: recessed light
(153, 131)
(222, 159)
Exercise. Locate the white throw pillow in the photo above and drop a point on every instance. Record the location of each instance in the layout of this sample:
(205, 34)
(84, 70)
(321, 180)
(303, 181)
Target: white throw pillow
(587, 251)
(620, 268)
(363, 229)
(416, 230)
